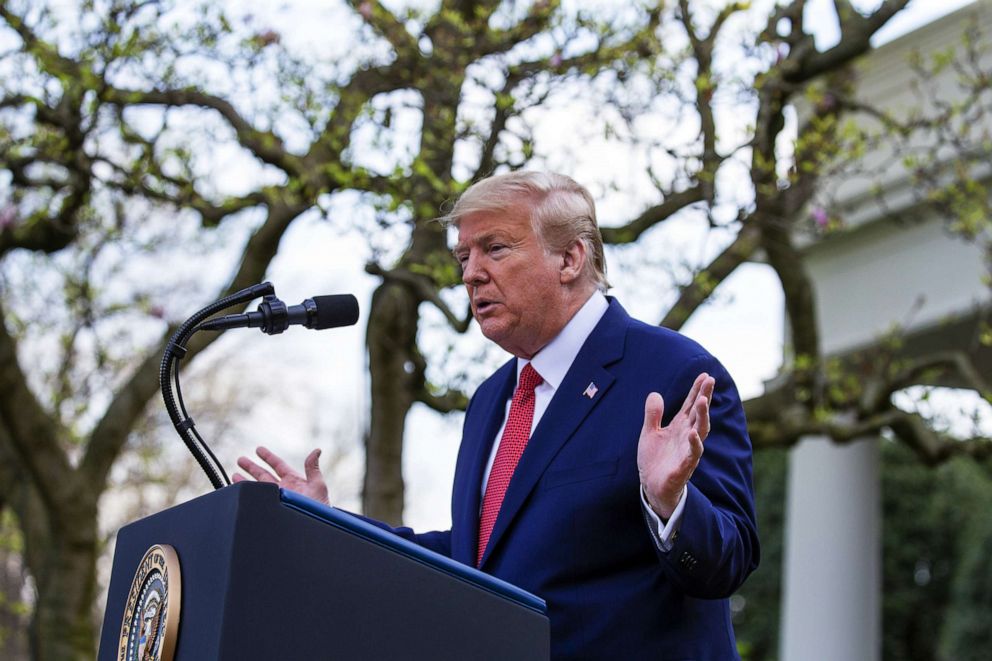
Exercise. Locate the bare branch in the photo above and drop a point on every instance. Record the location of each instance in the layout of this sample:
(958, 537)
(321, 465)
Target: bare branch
(323, 160)
(932, 447)
(652, 216)
(111, 432)
(36, 233)
(387, 26)
(855, 40)
(949, 364)
(450, 400)
(46, 54)
(30, 428)
(266, 145)
(706, 87)
(536, 21)
(425, 290)
(708, 278)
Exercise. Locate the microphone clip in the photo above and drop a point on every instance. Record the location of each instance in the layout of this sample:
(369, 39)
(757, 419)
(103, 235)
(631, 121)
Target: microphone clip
(275, 315)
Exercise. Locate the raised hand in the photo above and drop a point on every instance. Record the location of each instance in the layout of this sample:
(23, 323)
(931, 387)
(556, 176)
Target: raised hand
(667, 456)
(311, 484)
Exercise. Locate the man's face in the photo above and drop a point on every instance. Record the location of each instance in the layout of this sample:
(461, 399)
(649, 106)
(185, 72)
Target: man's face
(513, 283)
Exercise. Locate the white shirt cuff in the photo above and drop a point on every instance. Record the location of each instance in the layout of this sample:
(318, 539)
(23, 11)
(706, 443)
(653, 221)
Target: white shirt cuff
(663, 533)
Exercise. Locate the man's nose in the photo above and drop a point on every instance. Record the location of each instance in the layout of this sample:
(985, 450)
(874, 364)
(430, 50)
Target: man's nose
(473, 273)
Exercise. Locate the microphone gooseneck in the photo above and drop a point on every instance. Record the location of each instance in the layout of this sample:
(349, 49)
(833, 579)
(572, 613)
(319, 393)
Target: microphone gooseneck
(272, 317)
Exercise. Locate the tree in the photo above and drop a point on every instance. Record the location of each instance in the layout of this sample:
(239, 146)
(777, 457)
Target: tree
(116, 108)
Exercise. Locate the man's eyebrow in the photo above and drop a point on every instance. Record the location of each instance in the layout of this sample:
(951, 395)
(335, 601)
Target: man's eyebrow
(479, 240)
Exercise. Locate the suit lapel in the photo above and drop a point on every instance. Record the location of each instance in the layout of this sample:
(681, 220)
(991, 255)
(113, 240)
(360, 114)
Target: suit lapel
(570, 405)
(477, 443)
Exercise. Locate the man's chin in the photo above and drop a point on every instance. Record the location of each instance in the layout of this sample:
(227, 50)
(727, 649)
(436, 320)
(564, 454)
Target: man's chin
(492, 329)
(495, 331)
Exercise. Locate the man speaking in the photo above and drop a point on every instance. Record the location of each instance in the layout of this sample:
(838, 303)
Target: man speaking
(606, 467)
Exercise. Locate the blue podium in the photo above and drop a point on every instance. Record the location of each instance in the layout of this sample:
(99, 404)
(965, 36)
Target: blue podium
(268, 574)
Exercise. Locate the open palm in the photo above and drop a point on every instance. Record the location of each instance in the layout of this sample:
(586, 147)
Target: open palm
(667, 456)
(311, 483)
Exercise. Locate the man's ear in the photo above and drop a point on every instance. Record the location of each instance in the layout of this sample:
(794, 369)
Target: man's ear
(573, 262)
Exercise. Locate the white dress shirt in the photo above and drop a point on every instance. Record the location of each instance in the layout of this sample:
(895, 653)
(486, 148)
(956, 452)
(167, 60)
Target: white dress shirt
(552, 363)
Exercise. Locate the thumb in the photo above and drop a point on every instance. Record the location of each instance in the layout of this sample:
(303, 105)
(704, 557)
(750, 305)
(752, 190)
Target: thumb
(654, 410)
(311, 465)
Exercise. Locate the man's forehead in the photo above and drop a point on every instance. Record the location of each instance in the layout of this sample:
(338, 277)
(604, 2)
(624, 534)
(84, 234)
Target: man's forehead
(482, 227)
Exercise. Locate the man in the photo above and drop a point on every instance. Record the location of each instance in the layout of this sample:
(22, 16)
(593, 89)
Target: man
(574, 480)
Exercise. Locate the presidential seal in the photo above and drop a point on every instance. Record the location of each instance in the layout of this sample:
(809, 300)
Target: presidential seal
(151, 616)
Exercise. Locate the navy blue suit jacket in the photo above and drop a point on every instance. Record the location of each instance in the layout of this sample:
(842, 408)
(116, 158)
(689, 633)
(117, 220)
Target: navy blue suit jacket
(571, 528)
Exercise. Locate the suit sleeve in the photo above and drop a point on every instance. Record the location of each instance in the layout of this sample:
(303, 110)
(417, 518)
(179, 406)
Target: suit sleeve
(438, 541)
(716, 546)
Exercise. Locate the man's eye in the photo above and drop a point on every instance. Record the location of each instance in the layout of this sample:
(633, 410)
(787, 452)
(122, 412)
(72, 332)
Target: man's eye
(497, 247)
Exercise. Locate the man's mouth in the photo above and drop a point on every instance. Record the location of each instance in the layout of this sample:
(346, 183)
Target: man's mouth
(483, 305)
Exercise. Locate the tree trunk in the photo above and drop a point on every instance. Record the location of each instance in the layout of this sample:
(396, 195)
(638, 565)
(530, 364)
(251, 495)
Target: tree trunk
(64, 567)
(391, 338)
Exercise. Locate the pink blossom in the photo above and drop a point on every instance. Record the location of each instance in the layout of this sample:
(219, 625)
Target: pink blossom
(8, 217)
(267, 38)
(820, 217)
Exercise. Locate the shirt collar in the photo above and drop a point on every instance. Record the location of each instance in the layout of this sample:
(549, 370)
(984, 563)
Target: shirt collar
(554, 360)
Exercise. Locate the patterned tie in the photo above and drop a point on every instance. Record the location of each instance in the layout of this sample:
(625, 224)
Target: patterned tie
(511, 446)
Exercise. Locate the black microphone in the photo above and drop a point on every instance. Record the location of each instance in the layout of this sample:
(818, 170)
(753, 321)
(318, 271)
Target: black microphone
(274, 316)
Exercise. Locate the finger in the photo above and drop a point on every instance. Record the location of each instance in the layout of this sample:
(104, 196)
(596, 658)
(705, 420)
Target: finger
(707, 387)
(702, 415)
(256, 471)
(281, 468)
(311, 466)
(697, 386)
(238, 477)
(654, 411)
(695, 448)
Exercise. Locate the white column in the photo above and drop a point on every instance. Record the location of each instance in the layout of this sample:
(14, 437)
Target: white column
(831, 608)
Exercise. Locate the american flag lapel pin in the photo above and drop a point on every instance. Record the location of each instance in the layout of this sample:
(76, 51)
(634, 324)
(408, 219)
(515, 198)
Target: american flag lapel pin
(590, 390)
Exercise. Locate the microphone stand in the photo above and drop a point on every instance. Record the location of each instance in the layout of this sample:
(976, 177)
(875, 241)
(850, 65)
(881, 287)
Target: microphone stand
(175, 351)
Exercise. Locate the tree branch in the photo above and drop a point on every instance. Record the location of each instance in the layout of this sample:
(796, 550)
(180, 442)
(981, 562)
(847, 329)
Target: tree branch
(706, 87)
(387, 26)
(948, 363)
(707, 279)
(34, 436)
(266, 145)
(425, 290)
(652, 216)
(855, 40)
(450, 400)
(323, 160)
(111, 432)
(46, 54)
(778, 418)
(37, 233)
(933, 447)
(536, 21)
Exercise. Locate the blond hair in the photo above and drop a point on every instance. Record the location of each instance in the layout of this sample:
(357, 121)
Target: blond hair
(561, 210)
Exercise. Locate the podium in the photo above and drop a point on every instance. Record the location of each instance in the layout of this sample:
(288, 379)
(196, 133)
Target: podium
(269, 574)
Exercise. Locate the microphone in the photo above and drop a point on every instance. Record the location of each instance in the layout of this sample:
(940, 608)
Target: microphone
(274, 316)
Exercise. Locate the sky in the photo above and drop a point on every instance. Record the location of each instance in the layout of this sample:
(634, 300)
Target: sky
(743, 328)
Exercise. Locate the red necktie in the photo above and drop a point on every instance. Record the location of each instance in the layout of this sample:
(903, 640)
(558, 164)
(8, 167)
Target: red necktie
(511, 446)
